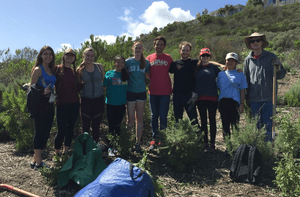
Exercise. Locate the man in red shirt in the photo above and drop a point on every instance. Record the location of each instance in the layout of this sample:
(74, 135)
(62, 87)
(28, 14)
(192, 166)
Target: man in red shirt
(160, 87)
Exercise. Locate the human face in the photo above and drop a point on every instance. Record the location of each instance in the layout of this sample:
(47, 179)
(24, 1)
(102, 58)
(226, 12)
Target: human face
(47, 57)
(119, 64)
(159, 47)
(89, 57)
(231, 64)
(256, 45)
(205, 58)
(185, 52)
(69, 59)
(138, 50)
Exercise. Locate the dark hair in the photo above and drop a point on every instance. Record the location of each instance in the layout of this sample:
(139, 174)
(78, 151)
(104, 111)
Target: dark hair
(63, 63)
(199, 65)
(160, 38)
(124, 72)
(185, 43)
(39, 59)
(143, 59)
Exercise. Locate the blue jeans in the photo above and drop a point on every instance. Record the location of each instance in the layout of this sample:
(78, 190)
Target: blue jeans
(263, 111)
(179, 104)
(159, 105)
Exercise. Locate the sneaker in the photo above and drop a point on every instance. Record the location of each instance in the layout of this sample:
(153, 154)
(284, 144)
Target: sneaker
(43, 164)
(138, 148)
(32, 164)
(212, 148)
(111, 153)
(56, 158)
(64, 158)
(152, 145)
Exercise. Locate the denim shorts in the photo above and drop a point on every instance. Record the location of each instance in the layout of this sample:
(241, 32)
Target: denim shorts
(133, 97)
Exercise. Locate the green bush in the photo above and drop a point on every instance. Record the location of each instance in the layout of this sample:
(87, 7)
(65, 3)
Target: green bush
(288, 137)
(182, 144)
(16, 119)
(297, 44)
(248, 135)
(288, 176)
(292, 97)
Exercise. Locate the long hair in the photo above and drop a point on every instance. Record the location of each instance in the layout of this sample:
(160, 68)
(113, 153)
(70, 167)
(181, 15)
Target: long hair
(143, 59)
(82, 65)
(39, 59)
(199, 65)
(124, 72)
(61, 70)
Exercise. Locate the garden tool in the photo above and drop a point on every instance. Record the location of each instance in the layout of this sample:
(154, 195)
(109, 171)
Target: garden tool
(276, 64)
(20, 191)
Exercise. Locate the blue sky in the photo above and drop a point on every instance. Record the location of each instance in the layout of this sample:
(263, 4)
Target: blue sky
(35, 23)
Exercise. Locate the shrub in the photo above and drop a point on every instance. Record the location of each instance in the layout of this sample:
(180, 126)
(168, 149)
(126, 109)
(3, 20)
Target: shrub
(288, 176)
(288, 137)
(292, 97)
(16, 118)
(182, 144)
(249, 135)
(297, 44)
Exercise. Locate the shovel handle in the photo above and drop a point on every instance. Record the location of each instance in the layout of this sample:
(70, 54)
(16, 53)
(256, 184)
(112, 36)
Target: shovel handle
(20, 191)
(274, 99)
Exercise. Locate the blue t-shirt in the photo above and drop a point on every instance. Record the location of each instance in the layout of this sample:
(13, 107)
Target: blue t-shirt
(47, 79)
(136, 81)
(116, 88)
(227, 90)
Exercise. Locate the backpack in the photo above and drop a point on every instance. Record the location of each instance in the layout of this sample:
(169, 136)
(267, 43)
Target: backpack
(120, 178)
(247, 165)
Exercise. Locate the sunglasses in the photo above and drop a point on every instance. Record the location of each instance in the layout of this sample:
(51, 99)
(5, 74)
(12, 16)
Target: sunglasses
(205, 55)
(257, 40)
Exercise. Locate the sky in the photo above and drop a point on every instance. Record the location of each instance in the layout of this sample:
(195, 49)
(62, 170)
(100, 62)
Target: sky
(59, 23)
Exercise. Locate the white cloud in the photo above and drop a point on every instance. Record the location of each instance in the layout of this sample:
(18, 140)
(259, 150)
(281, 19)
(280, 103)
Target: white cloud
(157, 15)
(108, 38)
(62, 46)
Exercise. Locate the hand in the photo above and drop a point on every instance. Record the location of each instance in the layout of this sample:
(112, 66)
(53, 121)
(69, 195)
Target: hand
(276, 63)
(193, 98)
(47, 91)
(241, 108)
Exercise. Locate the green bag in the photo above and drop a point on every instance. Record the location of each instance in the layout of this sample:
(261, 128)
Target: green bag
(85, 165)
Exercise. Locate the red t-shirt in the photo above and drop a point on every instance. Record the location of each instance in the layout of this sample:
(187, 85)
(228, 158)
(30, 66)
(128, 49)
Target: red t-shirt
(160, 82)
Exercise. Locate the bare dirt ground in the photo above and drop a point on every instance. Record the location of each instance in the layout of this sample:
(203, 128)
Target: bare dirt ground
(208, 178)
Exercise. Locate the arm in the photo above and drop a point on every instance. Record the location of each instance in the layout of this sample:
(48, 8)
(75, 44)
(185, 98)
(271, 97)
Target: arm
(218, 64)
(101, 67)
(37, 73)
(241, 108)
(104, 88)
(172, 67)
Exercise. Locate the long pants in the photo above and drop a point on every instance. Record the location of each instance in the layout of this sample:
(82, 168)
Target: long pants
(263, 111)
(115, 115)
(159, 105)
(66, 116)
(179, 104)
(211, 107)
(229, 114)
(43, 123)
(92, 111)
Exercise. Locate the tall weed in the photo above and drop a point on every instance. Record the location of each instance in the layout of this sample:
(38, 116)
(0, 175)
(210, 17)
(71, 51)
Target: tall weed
(292, 97)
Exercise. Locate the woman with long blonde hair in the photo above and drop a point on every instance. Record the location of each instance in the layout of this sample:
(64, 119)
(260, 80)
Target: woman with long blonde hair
(90, 76)
(137, 66)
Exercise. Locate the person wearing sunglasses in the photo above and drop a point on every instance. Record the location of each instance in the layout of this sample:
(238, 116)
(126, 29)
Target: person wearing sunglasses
(206, 89)
(258, 69)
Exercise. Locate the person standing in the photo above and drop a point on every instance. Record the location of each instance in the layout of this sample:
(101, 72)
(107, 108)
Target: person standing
(184, 83)
(258, 68)
(137, 67)
(90, 76)
(207, 91)
(115, 84)
(67, 103)
(232, 85)
(160, 87)
(42, 75)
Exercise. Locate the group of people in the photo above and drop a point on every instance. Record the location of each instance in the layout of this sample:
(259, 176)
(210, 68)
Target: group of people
(198, 83)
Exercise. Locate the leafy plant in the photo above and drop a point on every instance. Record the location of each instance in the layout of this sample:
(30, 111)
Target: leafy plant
(288, 137)
(144, 165)
(182, 143)
(288, 176)
(16, 119)
(250, 135)
(292, 97)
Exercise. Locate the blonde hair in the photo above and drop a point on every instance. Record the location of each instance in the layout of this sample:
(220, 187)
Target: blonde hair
(143, 59)
(82, 65)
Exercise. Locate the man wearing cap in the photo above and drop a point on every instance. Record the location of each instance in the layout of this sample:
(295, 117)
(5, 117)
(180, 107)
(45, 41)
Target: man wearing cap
(258, 69)
(232, 85)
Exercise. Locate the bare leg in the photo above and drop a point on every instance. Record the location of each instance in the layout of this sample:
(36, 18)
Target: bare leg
(140, 107)
(131, 114)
